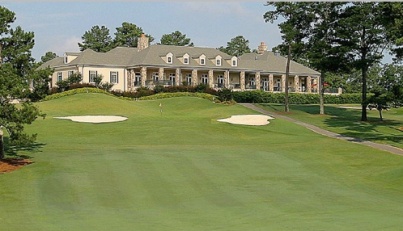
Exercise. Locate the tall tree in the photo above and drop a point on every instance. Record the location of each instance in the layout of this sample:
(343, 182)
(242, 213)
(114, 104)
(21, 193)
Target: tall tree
(97, 39)
(392, 15)
(48, 56)
(293, 29)
(15, 68)
(127, 35)
(237, 46)
(176, 38)
(364, 42)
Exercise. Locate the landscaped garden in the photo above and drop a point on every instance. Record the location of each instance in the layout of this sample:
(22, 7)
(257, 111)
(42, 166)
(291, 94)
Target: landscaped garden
(172, 166)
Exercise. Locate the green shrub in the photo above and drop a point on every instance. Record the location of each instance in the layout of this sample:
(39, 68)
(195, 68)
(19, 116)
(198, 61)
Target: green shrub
(179, 94)
(74, 92)
(294, 98)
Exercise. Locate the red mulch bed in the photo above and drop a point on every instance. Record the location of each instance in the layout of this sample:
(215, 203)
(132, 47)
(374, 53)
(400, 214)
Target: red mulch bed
(11, 164)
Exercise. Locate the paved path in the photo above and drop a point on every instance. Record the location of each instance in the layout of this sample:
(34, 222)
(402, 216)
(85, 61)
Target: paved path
(321, 131)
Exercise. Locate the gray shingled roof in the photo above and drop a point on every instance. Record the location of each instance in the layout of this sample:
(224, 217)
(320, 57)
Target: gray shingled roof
(269, 62)
(153, 56)
(56, 62)
(127, 57)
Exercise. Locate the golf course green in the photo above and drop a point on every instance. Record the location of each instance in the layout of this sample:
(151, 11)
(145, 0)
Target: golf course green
(183, 170)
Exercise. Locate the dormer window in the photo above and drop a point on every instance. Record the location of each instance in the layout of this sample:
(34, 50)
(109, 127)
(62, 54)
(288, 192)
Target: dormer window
(234, 61)
(186, 59)
(218, 61)
(66, 59)
(169, 58)
(202, 60)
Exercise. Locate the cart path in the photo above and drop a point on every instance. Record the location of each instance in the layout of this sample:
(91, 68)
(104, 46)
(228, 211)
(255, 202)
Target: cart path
(383, 147)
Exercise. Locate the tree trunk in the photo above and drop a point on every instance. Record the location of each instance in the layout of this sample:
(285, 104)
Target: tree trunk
(380, 115)
(364, 102)
(1, 145)
(287, 74)
(322, 94)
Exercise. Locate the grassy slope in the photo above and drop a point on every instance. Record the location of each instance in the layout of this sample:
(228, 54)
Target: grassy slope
(186, 171)
(346, 121)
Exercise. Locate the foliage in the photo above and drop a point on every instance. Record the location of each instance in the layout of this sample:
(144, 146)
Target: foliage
(74, 92)
(40, 83)
(179, 94)
(294, 98)
(96, 39)
(392, 14)
(224, 94)
(236, 47)
(16, 71)
(48, 56)
(127, 35)
(176, 38)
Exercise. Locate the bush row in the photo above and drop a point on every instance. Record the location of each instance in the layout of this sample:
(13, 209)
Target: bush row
(294, 98)
(180, 94)
(74, 92)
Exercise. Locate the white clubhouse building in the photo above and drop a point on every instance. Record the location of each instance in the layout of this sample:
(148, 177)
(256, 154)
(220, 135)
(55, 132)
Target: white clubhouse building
(148, 66)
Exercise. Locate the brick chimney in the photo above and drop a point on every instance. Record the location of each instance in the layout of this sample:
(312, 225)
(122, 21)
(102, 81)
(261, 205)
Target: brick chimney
(142, 42)
(262, 48)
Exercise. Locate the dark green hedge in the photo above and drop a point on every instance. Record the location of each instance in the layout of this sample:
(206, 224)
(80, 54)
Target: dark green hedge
(294, 98)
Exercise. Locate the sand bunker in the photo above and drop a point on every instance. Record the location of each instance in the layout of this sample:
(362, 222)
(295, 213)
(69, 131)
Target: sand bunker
(256, 120)
(93, 119)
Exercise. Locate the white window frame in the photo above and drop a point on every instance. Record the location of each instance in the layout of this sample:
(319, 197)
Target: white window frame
(186, 59)
(169, 58)
(137, 79)
(189, 79)
(114, 77)
(218, 61)
(92, 75)
(172, 78)
(70, 73)
(202, 60)
(204, 79)
(155, 76)
(234, 61)
(59, 76)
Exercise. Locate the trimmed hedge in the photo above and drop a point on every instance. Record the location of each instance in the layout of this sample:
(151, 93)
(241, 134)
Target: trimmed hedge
(179, 94)
(294, 98)
(76, 91)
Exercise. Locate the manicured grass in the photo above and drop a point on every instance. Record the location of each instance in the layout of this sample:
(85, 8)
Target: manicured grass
(183, 170)
(345, 120)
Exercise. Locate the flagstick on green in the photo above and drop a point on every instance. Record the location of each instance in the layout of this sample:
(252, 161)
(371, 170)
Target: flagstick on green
(161, 108)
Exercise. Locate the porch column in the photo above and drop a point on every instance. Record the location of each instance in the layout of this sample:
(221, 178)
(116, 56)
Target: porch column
(242, 80)
(194, 77)
(161, 73)
(308, 84)
(178, 77)
(283, 83)
(129, 80)
(226, 79)
(211, 78)
(257, 75)
(143, 74)
(271, 84)
(296, 83)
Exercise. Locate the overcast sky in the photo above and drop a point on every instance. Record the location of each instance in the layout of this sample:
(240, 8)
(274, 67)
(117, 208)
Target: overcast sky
(58, 25)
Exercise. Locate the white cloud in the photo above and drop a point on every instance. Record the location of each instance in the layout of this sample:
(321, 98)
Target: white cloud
(69, 44)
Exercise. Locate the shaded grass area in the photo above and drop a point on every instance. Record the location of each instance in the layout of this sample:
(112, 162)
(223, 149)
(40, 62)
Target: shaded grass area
(186, 171)
(345, 120)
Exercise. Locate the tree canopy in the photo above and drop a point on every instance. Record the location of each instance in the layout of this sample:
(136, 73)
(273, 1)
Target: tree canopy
(237, 46)
(176, 38)
(15, 73)
(48, 56)
(97, 39)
